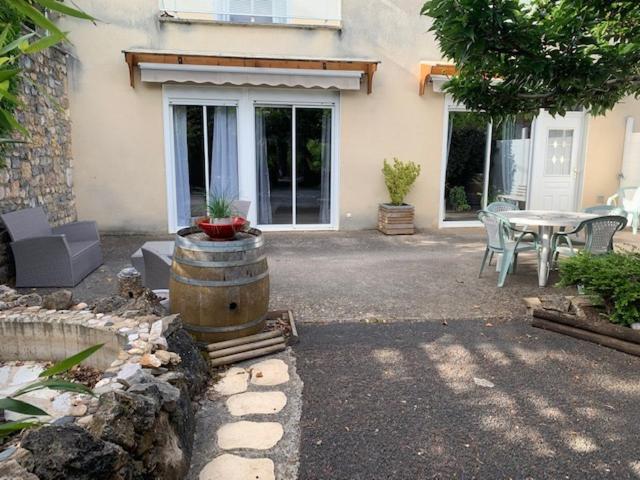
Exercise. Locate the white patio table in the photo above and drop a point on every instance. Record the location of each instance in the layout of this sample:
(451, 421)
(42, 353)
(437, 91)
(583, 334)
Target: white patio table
(546, 221)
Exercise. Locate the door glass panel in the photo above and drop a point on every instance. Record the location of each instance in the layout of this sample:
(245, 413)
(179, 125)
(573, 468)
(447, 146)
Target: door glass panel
(189, 163)
(509, 168)
(313, 166)
(273, 165)
(559, 150)
(464, 181)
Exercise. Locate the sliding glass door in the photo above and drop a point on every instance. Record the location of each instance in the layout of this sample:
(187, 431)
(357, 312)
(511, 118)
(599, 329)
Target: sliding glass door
(205, 156)
(293, 165)
(485, 162)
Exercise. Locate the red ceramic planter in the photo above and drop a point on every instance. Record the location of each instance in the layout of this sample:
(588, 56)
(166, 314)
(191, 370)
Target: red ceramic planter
(222, 231)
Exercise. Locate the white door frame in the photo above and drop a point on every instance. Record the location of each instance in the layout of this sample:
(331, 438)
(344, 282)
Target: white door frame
(245, 100)
(542, 123)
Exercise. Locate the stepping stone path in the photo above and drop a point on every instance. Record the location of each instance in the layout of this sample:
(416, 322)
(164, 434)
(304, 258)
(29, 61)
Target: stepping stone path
(249, 429)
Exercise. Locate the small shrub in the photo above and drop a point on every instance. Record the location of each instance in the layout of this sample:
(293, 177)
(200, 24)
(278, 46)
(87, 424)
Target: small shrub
(613, 279)
(458, 199)
(399, 179)
(220, 207)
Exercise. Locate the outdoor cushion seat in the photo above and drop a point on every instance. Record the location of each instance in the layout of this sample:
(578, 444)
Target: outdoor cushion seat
(51, 257)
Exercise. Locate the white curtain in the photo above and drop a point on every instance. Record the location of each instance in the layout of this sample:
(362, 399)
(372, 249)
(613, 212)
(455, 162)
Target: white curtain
(181, 152)
(507, 158)
(325, 173)
(264, 189)
(224, 154)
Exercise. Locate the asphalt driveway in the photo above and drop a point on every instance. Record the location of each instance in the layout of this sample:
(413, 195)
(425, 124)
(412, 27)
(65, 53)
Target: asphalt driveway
(471, 399)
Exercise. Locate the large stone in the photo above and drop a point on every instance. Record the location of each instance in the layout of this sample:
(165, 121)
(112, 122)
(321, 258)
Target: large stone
(192, 363)
(256, 403)
(255, 435)
(70, 451)
(269, 372)
(233, 467)
(59, 300)
(235, 380)
(12, 470)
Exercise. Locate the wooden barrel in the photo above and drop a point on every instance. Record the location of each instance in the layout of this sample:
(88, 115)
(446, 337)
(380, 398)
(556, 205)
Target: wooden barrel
(220, 289)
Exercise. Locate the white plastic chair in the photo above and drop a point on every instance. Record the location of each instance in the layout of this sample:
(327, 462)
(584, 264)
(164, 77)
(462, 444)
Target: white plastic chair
(629, 199)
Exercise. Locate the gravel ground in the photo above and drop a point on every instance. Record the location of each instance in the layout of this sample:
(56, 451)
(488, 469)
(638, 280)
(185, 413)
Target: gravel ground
(412, 401)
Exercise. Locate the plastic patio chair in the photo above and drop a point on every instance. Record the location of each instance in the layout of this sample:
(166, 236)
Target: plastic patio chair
(503, 238)
(629, 199)
(598, 234)
(497, 207)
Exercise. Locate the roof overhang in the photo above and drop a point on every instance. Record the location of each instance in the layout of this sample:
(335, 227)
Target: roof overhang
(166, 66)
(436, 74)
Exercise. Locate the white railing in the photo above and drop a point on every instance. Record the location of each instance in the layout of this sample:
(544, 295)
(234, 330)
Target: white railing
(292, 12)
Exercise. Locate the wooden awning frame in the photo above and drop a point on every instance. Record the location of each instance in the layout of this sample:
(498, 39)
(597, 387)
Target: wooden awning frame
(428, 70)
(134, 57)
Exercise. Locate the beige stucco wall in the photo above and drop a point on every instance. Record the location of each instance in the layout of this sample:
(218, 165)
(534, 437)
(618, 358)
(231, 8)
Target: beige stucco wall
(118, 143)
(604, 151)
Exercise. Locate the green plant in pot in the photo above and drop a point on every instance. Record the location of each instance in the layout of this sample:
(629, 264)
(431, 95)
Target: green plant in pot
(397, 217)
(222, 222)
(458, 199)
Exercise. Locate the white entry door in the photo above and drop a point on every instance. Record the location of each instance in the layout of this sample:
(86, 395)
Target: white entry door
(557, 161)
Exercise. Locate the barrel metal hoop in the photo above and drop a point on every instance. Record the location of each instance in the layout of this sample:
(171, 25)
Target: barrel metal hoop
(230, 328)
(202, 263)
(234, 246)
(217, 283)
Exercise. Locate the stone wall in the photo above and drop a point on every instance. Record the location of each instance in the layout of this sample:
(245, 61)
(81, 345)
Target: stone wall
(39, 172)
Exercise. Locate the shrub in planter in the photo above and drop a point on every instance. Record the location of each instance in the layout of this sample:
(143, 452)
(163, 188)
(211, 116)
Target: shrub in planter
(458, 199)
(613, 279)
(397, 217)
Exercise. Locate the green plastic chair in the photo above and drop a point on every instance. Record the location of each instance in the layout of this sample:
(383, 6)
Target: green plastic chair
(505, 239)
(598, 234)
(629, 199)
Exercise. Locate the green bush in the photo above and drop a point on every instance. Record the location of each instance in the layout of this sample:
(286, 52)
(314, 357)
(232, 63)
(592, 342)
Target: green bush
(399, 179)
(458, 199)
(613, 279)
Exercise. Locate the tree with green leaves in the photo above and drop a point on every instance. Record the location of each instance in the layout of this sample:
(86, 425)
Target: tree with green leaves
(517, 56)
(17, 17)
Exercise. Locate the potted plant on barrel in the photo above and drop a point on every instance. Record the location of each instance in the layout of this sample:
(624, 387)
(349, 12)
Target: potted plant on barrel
(222, 222)
(396, 218)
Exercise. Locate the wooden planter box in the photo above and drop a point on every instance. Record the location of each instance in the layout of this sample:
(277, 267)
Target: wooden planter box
(396, 219)
(591, 329)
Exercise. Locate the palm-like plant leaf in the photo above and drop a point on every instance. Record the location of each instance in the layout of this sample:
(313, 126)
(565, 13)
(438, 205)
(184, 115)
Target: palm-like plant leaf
(11, 427)
(21, 407)
(70, 362)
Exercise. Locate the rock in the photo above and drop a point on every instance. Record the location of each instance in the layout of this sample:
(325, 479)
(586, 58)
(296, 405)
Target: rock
(108, 304)
(192, 363)
(635, 326)
(126, 419)
(6, 453)
(12, 470)
(30, 300)
(256, 403)
(59, 300)
(481, 382)
(80, 306)
(235, 380)
(70, 451)
(128, 371)
(150, 360)
(255, 435)
(558, 303)
(167, 357)
(78, 410)
(66, 420)
(269, 372)
(165, 394)
(233, 467)
(85, 421)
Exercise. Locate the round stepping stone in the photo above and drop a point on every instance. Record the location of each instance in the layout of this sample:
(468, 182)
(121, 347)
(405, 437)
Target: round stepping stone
(235, 380)
(256, 403)
(269, 372)
(233, 467)
(256, 435)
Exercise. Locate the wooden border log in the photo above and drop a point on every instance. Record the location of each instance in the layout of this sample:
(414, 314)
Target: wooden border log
(246, 347)
(247, 355)
(603, 328)
(615, 343)
(241, 341)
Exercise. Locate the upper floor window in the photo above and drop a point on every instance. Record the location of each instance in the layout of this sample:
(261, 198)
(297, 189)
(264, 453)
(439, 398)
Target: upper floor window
(288, 12)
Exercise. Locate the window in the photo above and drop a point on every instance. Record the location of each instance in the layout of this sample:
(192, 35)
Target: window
(206, 158)
(252, 11)
(484, 163)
